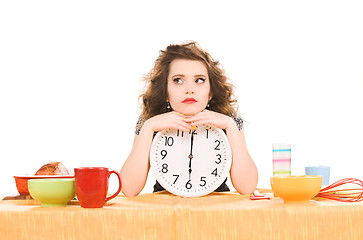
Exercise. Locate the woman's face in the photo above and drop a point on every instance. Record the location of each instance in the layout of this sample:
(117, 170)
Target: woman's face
(188, 86)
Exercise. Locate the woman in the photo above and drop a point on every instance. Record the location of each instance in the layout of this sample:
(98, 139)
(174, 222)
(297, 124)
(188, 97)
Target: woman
(187, 88)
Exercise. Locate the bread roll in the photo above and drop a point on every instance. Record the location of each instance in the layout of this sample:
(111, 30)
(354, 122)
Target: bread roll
(53, 168)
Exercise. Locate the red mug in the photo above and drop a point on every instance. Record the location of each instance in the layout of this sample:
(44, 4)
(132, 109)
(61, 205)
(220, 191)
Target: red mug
(92, 186)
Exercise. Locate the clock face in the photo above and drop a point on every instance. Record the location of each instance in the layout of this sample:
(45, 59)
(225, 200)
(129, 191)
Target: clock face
(191, 164)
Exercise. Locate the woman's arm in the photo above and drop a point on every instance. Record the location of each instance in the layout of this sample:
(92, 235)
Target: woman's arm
(244, 175)
(136, 167)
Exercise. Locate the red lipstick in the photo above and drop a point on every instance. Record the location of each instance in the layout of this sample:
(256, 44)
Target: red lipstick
(189, 101)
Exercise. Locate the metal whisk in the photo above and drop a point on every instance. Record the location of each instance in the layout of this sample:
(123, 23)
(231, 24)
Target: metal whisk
(341, 194)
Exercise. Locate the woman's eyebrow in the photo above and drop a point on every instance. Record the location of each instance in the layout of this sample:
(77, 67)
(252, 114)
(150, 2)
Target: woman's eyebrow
(199, 75)
(182, 75)
(178, 75)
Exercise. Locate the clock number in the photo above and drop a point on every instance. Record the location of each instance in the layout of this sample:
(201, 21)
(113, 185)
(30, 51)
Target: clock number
(219, 159)
(169, 141)
(177, 176)
(204, 182)
(163, 153)
(178, 133)
(215, 172)
(165, 168)
(218, 143)
(188, 185)
(207, 134)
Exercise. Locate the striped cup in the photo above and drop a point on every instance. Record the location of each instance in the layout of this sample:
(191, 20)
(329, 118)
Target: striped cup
(281, 159)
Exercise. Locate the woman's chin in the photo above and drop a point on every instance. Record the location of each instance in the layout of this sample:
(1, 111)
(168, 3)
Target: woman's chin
(190, 109)
(190, 112)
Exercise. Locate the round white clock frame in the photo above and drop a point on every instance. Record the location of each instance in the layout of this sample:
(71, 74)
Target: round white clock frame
(191, 164)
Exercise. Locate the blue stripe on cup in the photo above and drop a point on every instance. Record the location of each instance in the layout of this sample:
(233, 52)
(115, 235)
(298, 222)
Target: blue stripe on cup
(281, 150)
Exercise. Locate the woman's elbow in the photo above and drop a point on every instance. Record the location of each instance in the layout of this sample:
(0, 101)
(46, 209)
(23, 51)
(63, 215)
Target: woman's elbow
(130, 192)
(244, 186)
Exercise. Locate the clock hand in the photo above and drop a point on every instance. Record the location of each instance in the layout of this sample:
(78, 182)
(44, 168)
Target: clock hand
(191, 154)
(191, 144)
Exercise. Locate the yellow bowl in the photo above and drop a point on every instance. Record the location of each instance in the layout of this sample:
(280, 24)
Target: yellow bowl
(296, 189)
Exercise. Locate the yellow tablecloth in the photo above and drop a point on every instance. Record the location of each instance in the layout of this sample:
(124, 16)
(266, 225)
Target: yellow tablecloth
(165, 216)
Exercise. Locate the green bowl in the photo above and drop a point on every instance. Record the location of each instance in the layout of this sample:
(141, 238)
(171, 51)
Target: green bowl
(52, 192)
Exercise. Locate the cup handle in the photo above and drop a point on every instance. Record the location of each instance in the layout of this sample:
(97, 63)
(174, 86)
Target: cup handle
(119, 186)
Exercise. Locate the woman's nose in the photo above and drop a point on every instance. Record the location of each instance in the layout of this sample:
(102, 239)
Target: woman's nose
(189, 88)
(189, 91)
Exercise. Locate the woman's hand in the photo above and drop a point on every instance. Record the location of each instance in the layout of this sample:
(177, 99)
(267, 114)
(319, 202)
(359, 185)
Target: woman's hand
(218, 120)
(172, 120)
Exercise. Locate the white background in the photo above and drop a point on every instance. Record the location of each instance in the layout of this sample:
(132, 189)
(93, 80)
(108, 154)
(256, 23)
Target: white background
(70, 77)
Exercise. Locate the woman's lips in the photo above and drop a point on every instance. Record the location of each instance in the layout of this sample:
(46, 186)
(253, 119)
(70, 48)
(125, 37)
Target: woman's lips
(189, 101)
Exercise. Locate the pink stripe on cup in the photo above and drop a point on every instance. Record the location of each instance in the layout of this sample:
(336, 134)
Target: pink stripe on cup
(282, 160)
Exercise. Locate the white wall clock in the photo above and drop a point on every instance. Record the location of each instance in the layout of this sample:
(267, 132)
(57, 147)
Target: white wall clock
(191, 164)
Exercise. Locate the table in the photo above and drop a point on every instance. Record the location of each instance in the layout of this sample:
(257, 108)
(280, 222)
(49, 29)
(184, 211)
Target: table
(165, 216)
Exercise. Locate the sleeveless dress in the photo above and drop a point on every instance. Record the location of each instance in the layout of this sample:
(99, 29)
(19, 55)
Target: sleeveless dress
(223, 187)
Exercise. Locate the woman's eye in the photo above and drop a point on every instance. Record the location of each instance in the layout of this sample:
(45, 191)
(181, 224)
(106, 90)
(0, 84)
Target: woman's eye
(200, 80)
(177, 80)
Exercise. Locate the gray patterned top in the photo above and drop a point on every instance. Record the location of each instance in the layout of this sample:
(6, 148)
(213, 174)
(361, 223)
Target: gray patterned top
(236, 118)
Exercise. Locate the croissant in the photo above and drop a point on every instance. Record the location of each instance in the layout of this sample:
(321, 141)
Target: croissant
(53, 168)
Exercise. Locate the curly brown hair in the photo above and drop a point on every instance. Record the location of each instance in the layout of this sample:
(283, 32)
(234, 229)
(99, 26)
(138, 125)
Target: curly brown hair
(154, 100)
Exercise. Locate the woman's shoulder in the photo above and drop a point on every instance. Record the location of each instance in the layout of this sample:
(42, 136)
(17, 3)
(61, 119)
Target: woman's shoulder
(238, 120)
(139, 124)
